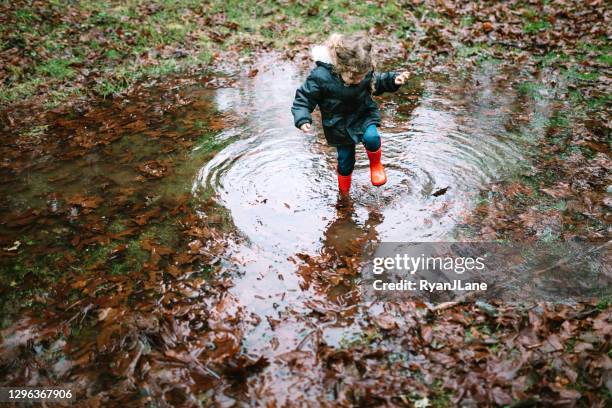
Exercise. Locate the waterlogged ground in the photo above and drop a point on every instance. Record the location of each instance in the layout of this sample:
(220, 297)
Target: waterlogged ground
(280, 186)
(187, 246)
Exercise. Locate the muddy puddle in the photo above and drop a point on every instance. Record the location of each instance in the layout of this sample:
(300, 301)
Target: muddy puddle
(279, 185)
(444, 137)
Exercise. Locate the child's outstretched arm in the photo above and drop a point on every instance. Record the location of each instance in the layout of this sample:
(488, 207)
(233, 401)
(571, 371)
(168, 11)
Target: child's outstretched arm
(389, 81)
(306, 100)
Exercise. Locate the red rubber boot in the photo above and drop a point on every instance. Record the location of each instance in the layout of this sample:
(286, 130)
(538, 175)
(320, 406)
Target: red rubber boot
(344, 183)
(377, 171)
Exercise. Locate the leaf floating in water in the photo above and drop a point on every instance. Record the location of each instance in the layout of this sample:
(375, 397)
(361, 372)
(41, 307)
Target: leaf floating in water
(15, 246)
(244, 365)
(440, 191)
(487, 308)
(88, 202)
(153, 169)
(385, 321)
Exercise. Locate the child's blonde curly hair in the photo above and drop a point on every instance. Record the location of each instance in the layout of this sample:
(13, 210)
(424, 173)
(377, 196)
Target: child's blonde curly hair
(351, 53)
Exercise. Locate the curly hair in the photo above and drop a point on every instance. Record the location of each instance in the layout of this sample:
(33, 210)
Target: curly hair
(351, 53)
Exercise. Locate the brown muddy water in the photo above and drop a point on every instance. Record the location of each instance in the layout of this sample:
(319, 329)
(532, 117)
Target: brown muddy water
(278, 188)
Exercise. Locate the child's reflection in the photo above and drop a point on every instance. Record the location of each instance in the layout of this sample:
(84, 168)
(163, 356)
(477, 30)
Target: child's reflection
(334, 272)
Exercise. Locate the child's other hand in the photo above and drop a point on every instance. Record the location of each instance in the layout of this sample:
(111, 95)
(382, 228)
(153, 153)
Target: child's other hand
(402, 78)
(306, 127)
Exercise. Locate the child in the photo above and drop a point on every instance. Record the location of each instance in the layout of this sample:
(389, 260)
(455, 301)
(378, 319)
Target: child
(342, 84)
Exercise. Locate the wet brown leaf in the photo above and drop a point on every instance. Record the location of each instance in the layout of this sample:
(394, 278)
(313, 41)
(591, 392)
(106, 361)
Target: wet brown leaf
(385, 321)
(153, 169)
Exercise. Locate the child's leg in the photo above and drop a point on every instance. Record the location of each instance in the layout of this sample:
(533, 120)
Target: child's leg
(346, 159)
(371, 139)
(373, 145)
(346, 163)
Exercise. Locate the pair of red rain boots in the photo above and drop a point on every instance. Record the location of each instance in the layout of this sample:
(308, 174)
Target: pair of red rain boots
(377, 173)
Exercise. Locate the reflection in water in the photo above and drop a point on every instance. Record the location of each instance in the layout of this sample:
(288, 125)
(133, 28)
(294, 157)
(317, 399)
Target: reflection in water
(331, 273)
(344, 236)
(300, 250)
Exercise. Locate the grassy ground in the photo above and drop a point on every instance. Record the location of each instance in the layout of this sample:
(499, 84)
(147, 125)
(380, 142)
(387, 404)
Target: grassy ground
(54, 52)
(58, 50)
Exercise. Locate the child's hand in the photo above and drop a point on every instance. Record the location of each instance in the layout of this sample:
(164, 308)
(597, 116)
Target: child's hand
(402, 78)
(306, 127)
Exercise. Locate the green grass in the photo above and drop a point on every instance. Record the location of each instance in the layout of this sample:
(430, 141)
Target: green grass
(20, 91)
(531, 89)
(127, 37)
(42, 270)
(113, 54)
(574, 74)
(25, 16)
(94, 255)
(108, 87)
(467, 21)
(127, 31)
(361, 340)
(36, 131)
(549, 236)
(552, 58)
(602, 46)
(440, 396)
(545, 204)
(604, 302)
(531, 27)
(125, 43)
(164, 233)
(57, 97)
(559, 119)
(465, 51)
(207, 142)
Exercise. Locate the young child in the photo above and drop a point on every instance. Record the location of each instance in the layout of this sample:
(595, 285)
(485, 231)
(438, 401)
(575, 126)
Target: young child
(342, 85)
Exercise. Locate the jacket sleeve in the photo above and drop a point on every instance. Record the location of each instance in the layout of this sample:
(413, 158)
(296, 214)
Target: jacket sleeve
(306, 99)
(385, 82)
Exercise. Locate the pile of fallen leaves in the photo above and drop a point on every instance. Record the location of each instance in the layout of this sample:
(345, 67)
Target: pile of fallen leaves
(93, 296)
(408, 353)
(156, 334)
(474, 354)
